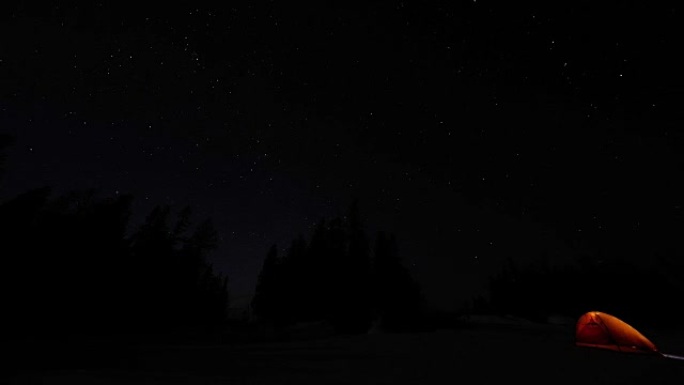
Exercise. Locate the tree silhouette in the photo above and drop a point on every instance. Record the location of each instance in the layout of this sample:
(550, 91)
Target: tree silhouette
(199, 296)
(397, 296)
(24, 248)
(333, 261)
(70, 269)
(333, 279)
(268, 299)
(612, 285)
(355, 302)
(5, 141)
(152, 252)
(320, 273)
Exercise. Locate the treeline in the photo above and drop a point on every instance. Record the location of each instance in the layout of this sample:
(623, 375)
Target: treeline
(339, 277)
(70, 268)
(646, 295)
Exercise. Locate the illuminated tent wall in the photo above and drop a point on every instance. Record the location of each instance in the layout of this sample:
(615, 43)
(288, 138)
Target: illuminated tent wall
(601, 330)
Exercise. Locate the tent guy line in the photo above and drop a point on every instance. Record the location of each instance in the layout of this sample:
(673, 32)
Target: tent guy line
(674, 357)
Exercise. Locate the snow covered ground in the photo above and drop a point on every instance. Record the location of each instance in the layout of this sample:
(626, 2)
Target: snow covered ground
(481, 354)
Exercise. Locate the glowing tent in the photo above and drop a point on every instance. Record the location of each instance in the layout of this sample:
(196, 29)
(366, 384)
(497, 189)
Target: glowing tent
(601, 330)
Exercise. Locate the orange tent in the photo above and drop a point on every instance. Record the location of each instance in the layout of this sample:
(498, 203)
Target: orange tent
(601, 330)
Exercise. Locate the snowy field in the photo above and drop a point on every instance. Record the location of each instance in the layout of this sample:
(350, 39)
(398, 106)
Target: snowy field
(476, 355)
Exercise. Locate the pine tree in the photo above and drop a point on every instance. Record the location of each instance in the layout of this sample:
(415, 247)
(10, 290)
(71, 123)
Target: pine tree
(397, 297)
(265, 303)
(357, 300)
(318, 269)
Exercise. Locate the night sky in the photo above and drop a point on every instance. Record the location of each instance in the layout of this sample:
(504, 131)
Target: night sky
(474, 130)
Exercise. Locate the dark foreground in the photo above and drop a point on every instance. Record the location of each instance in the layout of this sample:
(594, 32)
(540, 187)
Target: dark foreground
(482, 355)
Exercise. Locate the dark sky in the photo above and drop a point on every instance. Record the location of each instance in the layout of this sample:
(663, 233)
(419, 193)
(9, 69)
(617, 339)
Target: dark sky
(474, 130)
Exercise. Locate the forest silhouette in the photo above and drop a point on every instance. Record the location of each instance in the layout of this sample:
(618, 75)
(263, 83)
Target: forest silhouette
(73, 271)
(73, 267)
(340, 279)
(644, 294)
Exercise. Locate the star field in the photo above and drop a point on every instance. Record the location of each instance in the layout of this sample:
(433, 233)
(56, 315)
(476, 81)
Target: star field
(512, 129)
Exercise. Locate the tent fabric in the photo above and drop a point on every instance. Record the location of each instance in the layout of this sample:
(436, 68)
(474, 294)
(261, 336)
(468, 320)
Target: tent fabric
(602, 330)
